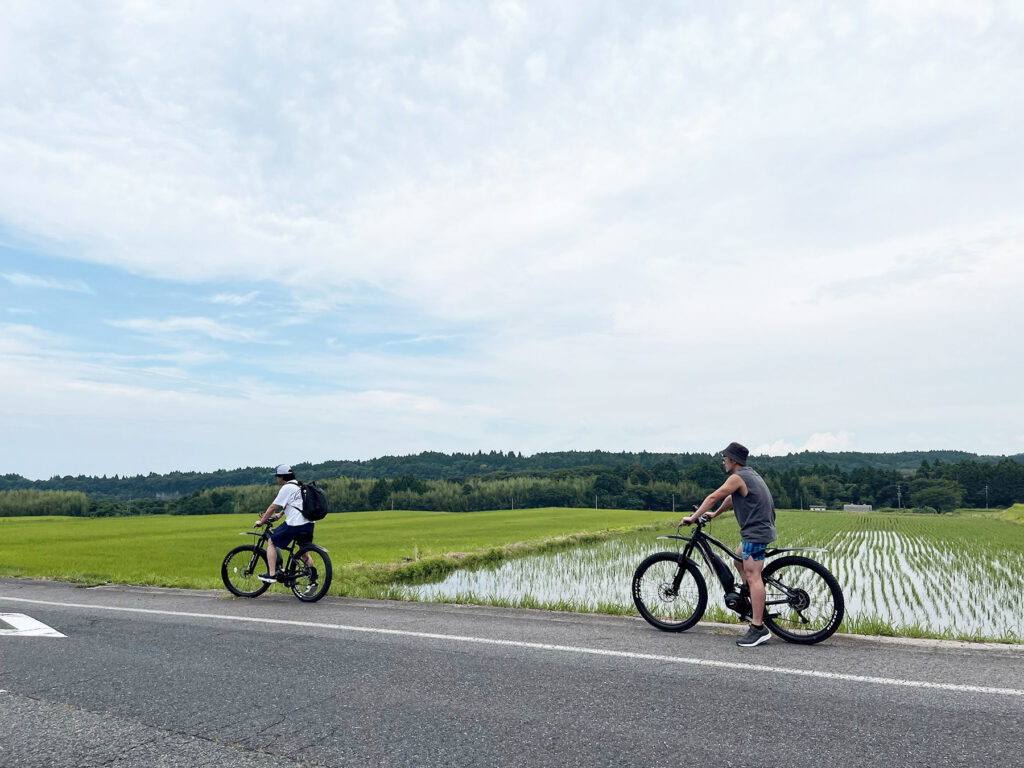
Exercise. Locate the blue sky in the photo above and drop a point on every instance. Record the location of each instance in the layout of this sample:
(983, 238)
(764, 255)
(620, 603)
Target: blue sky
(242, 234)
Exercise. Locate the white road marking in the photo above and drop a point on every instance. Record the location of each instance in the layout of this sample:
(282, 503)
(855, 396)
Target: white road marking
(733, 665)
(25, 626)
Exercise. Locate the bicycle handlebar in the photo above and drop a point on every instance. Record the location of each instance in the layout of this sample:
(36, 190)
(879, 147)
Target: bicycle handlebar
(264, 530)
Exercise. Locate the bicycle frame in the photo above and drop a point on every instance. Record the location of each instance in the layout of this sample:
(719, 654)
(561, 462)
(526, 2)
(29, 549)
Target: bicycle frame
(703, 543)
(264, 536)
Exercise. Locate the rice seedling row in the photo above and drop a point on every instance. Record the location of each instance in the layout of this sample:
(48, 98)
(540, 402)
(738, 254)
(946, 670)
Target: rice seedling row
(914, 575)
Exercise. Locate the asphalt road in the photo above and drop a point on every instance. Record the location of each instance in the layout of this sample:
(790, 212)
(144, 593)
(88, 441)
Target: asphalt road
(148, 677)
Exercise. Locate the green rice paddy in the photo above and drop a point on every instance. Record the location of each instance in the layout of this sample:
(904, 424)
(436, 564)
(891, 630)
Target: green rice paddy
(955, 577)
(368, 549)
(952, 576)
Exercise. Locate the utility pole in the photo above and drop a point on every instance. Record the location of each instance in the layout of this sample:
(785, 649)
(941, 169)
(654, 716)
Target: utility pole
(899, 495)
(673, 503)
(986, 495)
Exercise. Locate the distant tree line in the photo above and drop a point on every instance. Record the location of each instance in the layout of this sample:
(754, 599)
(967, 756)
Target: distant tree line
(25, 503)
(939, 486)
(431, 465)
(660, 485)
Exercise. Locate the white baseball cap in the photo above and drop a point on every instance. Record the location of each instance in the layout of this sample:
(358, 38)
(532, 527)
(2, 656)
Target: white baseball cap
(283, 469)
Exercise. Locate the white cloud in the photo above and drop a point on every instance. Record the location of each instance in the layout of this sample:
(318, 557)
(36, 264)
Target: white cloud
(234, 299)
(639, 230)
(17, 338)
(826, 441)
(176, 326)
(819, 441)
(34, 281)
(777, 448)
(476, 191)
(160, 426)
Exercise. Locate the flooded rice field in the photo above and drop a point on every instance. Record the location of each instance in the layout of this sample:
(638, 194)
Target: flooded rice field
(914, 583)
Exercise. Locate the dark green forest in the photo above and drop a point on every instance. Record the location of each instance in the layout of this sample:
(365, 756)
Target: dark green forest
(930, 481)
(461, 466)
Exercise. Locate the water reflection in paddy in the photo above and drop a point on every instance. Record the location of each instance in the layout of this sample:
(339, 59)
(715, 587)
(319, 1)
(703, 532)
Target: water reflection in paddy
(900, 579)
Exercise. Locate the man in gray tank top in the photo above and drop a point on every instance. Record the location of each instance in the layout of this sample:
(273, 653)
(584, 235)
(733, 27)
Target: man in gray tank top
(746, 492)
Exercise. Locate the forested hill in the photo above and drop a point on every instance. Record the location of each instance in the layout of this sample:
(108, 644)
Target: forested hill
(462, 466)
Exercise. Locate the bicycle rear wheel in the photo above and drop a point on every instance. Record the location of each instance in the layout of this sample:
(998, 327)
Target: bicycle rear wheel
(309, 573)
(241, 568)
(671, 595)
(803, 600)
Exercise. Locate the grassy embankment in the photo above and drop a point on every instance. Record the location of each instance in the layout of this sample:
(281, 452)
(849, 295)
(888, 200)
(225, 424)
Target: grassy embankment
(1014, 514)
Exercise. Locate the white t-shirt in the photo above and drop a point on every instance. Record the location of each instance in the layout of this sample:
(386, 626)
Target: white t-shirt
(290, 497)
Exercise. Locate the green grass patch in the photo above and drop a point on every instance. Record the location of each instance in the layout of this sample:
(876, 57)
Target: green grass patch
(369, 550)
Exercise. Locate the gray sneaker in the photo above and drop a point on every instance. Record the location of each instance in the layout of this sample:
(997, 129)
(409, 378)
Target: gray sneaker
(754, 637)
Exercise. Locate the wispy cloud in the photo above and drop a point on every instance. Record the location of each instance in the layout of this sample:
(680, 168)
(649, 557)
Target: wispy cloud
(177, 326)
(234, 299)
(903, 271)
(18, 338)
(23, 280)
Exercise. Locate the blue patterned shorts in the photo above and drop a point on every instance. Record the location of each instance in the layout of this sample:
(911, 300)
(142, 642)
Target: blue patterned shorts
(753, 550)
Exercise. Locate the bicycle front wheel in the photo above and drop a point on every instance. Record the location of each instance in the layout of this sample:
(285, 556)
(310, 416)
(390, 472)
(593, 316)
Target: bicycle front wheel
(803, 600)
(241, 568)
(310, 573)
(669, 592)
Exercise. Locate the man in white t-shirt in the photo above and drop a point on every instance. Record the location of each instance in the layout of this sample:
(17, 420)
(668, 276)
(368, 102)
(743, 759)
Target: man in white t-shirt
(295, 525)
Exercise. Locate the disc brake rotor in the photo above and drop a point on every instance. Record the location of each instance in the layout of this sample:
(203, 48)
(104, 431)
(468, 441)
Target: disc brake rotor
(799, 600)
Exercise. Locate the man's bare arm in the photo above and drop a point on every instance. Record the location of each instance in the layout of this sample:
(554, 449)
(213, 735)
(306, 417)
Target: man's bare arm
(271, 510)
(723, 494)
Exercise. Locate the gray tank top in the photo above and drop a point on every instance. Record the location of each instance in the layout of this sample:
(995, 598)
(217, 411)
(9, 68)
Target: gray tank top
(755, 512)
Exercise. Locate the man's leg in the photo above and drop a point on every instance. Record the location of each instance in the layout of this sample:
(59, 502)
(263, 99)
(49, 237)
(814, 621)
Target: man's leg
(757, 633)
(281, 533)
(271, 558)
(752, 576)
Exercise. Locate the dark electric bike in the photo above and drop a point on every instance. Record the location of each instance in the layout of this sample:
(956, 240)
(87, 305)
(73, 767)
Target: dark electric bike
(306, 569)
(804, 602)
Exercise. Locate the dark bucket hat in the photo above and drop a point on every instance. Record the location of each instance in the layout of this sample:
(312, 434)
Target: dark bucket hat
(736, 452)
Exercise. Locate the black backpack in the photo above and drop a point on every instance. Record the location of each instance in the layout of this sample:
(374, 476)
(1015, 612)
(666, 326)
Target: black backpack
(314, 501)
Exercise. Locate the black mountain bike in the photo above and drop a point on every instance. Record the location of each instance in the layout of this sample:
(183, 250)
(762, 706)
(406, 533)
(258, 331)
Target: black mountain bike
(307, 569)
(804, 602)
